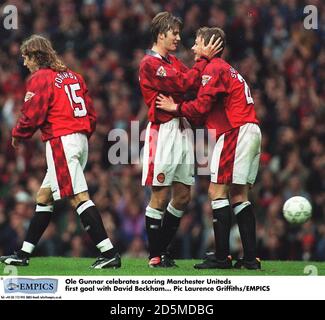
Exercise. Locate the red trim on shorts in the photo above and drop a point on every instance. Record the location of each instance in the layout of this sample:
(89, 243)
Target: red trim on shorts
(153, 141)
(227, 157)
(61, 168)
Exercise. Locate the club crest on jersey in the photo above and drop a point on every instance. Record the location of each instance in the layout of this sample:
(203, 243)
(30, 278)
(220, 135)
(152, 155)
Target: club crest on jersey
(205, 79)
(161, 72)
(29, 95)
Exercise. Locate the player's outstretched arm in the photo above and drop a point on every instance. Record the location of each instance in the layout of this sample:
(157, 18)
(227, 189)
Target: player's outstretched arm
(211, 86)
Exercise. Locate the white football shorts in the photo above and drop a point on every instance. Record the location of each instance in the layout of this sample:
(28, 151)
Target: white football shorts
(66, 159)
(168, 153)
(236, 156)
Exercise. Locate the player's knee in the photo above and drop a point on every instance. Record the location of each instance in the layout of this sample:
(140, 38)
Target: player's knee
(44, 198)
(181, 200)
(238, 198)
(238, 193)
(216, 192)
(211, 194)
(159, 198)
(79, 198)
(158, 203)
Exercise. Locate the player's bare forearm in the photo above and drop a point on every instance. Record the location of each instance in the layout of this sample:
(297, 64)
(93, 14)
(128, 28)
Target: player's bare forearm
(166, 103)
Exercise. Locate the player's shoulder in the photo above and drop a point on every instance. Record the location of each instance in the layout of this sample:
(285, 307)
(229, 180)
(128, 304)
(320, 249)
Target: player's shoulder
(153, 58)
(40, 76)
(67, 73)
(41, 73)
(217, 65)
(149, 58)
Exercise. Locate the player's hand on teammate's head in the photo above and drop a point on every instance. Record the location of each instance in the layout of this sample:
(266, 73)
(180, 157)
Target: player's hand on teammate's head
(15, 142)
(212, 48)
(166, 103)
(217, 46)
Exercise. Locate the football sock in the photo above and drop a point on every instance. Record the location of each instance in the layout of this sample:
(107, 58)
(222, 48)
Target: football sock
(170, 223)
(37, 226)
(94, 226)
(221, 226)
(153, 227)
(247, 228)
(106, 248)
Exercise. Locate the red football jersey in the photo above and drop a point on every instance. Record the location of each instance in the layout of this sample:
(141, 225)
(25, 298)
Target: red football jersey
(169, 76)
(224, 99)
(58, 104)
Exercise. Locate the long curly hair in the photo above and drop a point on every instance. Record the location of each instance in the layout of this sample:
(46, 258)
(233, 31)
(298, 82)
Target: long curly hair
(40, 49)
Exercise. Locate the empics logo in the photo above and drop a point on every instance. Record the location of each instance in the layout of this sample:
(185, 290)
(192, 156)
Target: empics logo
(25, 285)
(12, 286)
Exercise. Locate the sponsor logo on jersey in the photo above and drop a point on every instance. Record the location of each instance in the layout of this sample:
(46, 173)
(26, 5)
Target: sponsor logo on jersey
(161, 72)
(161, 177)
(29, 95)
(205, 79)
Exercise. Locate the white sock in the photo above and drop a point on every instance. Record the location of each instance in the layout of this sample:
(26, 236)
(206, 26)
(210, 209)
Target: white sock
(153, 213)
(241, 206)
(28, 247)
(177, 213)
(104, 245)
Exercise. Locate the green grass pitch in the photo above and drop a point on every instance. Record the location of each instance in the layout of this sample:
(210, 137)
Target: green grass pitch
(58, 266)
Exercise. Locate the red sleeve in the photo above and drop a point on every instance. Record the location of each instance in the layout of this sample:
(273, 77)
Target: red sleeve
(35, 106)
(183, 67)
(211, 85)
(165, 78)
(196, 80)
(89, 105)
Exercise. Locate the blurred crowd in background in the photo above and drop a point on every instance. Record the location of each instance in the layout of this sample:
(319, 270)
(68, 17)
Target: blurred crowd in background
(104, 40)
